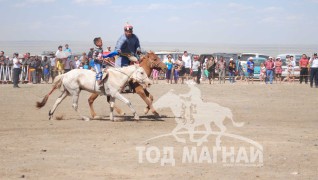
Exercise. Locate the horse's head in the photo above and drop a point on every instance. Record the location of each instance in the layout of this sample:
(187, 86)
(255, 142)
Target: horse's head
(141, 76)
(152, 61)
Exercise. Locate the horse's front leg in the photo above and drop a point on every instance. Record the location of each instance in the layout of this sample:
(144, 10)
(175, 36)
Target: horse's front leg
(148, 99)
(117, 109)
(128, 103)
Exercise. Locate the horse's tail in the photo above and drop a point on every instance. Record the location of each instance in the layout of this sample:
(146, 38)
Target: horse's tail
(56, 85)
(236, 124)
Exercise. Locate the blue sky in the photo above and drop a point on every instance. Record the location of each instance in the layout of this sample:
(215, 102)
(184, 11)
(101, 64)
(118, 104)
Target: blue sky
(236, 22)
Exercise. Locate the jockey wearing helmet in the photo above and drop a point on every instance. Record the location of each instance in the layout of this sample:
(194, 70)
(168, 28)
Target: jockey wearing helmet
(127, 46)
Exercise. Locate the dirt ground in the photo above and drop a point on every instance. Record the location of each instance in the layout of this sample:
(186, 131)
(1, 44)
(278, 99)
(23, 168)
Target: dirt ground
(282, 118)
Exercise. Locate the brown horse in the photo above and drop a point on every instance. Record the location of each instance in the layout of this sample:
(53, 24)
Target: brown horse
(148, 62)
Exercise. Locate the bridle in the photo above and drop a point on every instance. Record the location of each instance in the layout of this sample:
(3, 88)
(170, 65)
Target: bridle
(141, 80)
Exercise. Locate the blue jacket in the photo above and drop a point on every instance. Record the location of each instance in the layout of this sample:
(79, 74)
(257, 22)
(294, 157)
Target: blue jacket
(126, 46)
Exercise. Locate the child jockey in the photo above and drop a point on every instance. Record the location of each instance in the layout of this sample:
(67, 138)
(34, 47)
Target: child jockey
(98, 59)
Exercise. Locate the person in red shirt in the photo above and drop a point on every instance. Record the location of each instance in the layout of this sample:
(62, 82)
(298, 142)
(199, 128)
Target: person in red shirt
(303, 64)
(269, 65)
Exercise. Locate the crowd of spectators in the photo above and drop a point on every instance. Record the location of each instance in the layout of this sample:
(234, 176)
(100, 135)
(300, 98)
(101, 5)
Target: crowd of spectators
(43, 69)
(38, 69)
(213, 69)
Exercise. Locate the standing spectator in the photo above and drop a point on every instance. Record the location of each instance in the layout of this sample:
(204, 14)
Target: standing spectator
(169, 58)
(60, 66)
(169, 65)
(1, 54)
(278, 69)
(314, 71)
(90, 53)
(16, 70)
(187, 63)
(195, 69)
(232, 69)
(221, 69)
(53, 70)
(176, 70)
(46, 73)
(155, 74)
(269, 65)
(182, 70)
(303, 64)
(250, 70)
(38, 69)
(210, 65)
(262, 74)
(83, 58)
(86, 65)
(45, 63)
(59, 50)
(24, 68)
(67, 49)
(205, 69)
(239, 69)
(67, 64)
(77, 63)
(293, 63)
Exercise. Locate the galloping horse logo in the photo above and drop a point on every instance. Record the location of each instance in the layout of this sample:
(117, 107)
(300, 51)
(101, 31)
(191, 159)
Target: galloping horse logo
(191, 113)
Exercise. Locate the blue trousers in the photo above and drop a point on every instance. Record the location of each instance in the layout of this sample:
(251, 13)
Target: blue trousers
(269, 76)
(98, 70)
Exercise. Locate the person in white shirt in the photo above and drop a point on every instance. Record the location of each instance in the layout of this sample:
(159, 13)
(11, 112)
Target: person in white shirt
(77, 62)
(187, 63)
(167, 57)
(16, 70)
(293, 64)
(53, 71)
(314, 70)
(195, 68)
(59, 50)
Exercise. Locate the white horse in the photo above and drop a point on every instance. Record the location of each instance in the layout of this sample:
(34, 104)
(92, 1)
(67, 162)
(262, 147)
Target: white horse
(76, 80)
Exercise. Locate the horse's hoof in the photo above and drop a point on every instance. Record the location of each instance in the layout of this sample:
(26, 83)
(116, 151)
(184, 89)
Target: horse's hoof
(97, 117)
(155, 113)
(86, 118)
(136, 117)
(146, 110)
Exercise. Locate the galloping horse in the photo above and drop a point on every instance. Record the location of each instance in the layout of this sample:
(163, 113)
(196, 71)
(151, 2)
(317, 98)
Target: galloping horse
(148, 62)
(80, 79)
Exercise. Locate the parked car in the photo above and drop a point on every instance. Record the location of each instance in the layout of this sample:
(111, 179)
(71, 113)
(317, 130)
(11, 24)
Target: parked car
(297, 57)
(245, 56)
(257, 66)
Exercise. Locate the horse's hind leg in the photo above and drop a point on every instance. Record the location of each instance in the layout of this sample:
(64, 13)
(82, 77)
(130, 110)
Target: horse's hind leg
(57, 102)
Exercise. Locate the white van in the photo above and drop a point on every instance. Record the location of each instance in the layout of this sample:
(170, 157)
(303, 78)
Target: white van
(297, 57)
(245, 56)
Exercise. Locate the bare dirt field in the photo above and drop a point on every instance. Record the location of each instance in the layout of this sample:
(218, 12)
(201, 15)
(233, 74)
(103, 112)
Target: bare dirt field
(282, 118)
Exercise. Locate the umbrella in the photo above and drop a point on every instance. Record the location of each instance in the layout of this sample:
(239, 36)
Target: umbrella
(63, 54)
